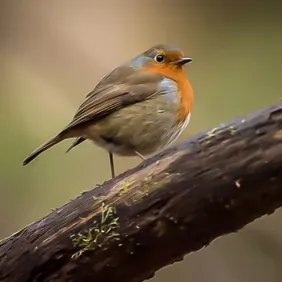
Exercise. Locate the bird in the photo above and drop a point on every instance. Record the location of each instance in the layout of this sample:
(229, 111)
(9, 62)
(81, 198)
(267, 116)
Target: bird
(138, 109)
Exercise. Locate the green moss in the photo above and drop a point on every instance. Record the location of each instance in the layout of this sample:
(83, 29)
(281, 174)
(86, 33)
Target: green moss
(232, 130)
(102, 232)
(217, 130)
(124, 189)
(98, 199)
(146, 189)
(211, 133)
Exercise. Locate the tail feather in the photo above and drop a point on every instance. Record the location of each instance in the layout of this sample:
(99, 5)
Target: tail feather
(50, 143)
(76, 142)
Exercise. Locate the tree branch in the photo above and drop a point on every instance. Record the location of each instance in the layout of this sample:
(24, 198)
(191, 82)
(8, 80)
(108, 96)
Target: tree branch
(174, 203)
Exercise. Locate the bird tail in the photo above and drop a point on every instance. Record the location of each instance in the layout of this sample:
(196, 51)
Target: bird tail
(50, 143)
(76, 142)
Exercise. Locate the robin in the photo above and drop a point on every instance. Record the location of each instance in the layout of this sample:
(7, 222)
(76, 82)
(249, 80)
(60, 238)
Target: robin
(137, 109)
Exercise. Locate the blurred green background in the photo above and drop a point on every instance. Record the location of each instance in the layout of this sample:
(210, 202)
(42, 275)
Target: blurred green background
(52, 54)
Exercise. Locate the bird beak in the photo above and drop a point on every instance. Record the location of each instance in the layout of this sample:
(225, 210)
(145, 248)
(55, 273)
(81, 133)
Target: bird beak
(182, 62)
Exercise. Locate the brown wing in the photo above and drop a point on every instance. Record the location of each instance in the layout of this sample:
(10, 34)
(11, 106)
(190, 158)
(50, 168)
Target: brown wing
(122, 87)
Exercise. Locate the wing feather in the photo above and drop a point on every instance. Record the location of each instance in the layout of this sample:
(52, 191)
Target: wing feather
(124, 86)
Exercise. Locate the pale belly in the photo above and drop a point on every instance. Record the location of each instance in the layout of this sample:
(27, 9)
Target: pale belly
(145, 127)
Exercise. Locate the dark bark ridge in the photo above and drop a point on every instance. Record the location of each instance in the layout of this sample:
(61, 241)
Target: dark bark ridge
(174, 203)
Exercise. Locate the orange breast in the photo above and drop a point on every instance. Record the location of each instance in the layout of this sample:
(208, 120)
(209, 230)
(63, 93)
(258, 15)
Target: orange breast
(186, 98)
(185, 92)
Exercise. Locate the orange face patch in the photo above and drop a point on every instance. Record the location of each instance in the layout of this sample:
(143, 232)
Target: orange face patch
(178, 75)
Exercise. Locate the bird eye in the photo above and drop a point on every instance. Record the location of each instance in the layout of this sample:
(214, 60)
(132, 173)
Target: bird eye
(159, 58)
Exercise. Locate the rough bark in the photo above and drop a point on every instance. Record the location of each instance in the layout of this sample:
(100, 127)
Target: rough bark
(174, 203)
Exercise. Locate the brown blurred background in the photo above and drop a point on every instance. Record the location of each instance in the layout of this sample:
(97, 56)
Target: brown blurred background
(52, 53)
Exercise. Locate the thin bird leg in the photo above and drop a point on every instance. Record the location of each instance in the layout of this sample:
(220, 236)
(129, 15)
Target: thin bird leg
(112, 164)
(140, 155)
